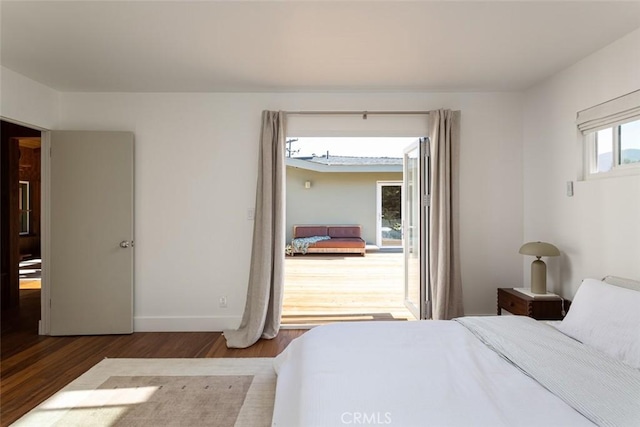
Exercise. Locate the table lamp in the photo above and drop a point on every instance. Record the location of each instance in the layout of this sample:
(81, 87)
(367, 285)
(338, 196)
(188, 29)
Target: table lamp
(538, 267)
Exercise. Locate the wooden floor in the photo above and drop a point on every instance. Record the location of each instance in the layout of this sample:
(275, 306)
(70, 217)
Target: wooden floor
(321, 288)
(33, 367)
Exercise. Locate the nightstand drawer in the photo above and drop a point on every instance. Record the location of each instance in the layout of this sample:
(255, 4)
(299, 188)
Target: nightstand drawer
(512, 304)
(547, 308)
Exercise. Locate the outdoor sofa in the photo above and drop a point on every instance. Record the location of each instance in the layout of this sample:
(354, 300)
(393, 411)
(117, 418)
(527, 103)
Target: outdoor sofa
(327, 239)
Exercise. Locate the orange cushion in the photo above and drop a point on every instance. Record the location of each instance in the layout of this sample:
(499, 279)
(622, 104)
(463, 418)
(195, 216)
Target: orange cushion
(339, 243)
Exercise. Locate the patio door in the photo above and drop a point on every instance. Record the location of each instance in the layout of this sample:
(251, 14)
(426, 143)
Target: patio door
(415, 207)
(389, 215)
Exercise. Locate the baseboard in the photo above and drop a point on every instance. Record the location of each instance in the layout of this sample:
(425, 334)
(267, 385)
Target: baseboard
(185, 323)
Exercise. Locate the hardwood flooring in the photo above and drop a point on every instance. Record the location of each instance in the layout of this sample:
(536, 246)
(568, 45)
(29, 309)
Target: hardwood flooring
(319, 289)
(34, 367)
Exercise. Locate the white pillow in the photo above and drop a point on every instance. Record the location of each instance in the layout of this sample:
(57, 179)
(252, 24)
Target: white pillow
(607, 318)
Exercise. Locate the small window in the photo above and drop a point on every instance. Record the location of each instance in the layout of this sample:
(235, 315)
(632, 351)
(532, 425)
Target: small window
(23, 204)
(611, 133)
(630, 143)
(604, 150)
(614, 150)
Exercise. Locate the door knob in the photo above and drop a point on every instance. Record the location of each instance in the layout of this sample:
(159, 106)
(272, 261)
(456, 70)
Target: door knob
(125, 244)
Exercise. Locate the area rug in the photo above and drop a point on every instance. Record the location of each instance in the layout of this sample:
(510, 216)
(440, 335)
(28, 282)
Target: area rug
(164, 392)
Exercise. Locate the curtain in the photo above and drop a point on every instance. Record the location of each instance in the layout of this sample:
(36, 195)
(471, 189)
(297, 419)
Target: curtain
(263, 308)
(444, 261)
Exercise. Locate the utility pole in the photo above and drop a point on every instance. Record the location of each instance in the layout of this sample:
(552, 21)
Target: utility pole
(291, 151)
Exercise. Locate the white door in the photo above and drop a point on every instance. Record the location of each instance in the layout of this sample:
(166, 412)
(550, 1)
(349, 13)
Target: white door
(90, 265)
(415, 227)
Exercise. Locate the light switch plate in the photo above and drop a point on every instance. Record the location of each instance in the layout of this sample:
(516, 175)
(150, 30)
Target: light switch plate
(569, 188)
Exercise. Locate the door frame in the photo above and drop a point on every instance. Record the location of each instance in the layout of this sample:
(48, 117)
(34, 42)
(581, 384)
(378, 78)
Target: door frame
(44, 327)
(379, 185)
(44, 226)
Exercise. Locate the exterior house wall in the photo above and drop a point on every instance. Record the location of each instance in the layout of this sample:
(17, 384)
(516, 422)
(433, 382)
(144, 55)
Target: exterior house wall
(334, 198)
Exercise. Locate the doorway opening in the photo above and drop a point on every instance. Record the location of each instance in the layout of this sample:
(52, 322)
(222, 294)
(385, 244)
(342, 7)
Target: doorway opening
(346, 181)
(21, 184)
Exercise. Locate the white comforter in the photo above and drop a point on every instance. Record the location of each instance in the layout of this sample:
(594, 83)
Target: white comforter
(426, 373)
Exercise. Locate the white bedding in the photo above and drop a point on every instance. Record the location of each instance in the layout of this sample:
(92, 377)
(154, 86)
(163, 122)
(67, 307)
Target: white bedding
(424, 373)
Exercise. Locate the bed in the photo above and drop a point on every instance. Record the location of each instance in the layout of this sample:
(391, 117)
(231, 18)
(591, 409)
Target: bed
(471, 371)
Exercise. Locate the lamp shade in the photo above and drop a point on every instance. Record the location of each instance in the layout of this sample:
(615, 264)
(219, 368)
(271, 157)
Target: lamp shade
(539, 249)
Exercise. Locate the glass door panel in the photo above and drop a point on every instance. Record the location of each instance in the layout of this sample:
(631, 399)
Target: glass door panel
(389, 214)
(415, 225)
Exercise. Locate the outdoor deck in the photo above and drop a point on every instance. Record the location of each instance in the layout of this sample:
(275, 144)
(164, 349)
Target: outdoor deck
(323, 288)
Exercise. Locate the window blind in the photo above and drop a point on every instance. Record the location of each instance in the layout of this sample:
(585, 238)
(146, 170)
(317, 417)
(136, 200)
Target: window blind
(610, 113)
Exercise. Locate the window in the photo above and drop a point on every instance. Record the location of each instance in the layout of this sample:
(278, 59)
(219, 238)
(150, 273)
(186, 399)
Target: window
(612, 137)
(629, 143)
(23, 205)
(614, 149)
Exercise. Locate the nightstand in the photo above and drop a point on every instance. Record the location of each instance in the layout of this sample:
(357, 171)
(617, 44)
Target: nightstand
(547, 308)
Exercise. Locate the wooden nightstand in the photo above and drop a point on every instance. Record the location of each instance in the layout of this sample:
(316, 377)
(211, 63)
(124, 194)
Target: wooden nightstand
(514, 302)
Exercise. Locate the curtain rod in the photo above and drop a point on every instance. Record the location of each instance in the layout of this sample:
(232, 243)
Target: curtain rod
(364, 114)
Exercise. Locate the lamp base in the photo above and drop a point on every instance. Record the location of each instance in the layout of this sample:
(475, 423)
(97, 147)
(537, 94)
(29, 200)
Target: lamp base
(538, 277)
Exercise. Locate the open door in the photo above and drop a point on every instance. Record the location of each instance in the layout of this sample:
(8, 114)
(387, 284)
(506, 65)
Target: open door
(415, 205)
(89, 267)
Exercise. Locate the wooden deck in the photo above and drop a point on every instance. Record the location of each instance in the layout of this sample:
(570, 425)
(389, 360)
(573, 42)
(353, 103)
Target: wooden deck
(323, 288)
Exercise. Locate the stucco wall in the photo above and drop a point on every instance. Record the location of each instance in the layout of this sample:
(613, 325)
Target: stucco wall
(334, 198)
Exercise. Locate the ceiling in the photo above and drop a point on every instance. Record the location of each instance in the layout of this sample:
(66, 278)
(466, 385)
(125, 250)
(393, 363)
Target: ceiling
(260, 46)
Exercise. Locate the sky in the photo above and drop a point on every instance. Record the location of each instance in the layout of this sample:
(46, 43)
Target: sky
(630, 137)
(360, 147)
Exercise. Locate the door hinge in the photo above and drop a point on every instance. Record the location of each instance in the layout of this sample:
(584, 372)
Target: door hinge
(426, 200)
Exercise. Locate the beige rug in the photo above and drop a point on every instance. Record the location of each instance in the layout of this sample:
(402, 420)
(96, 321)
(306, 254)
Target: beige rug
(164, 392)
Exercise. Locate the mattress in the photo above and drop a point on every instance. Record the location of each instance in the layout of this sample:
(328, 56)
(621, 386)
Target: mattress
(408, 374)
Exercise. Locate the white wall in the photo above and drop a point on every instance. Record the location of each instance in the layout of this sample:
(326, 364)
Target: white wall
(27, 102)
(195, 179)
(597, 230)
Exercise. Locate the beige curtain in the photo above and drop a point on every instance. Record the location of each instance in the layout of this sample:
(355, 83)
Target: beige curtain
(444, 262)
(263, 308)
